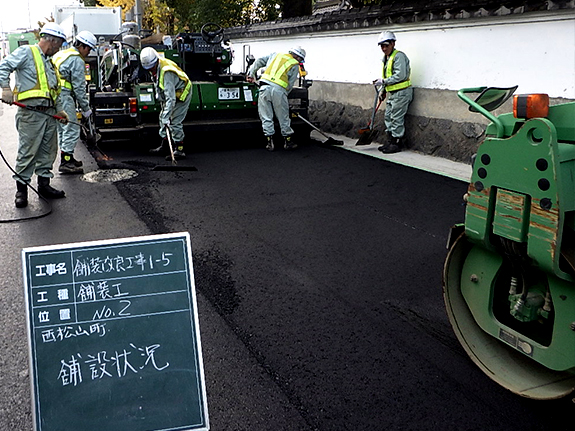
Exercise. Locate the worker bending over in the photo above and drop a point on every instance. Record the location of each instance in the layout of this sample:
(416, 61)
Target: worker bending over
(72, 68)
(37, 87)
(276, 82)
(397, 85)
(174, 92)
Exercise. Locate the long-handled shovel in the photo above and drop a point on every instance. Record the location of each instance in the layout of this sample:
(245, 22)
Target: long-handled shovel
(330, 140)
(173, 166)
(368, 134)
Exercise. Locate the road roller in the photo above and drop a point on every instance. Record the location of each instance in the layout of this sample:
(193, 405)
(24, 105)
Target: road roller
(509, 275)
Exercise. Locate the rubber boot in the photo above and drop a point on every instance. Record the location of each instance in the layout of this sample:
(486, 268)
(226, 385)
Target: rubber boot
(162, 150)
(270, 143)
(289, 144)
(178, 152)
(69, 165)
(21, 200)
(47, 191)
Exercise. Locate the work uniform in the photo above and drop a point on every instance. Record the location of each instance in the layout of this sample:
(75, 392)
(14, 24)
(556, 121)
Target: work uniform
(277, 81)
(174, 92)
(37, 86)
(72, 69)
(396, 72)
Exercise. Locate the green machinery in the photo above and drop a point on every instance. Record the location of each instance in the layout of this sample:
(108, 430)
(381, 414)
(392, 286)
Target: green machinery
(124, 100)
(509, 275)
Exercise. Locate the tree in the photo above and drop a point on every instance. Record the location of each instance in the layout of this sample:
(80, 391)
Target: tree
(126, 5)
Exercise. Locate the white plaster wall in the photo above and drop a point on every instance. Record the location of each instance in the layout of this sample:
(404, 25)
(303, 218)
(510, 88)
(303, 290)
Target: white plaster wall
(534, 51)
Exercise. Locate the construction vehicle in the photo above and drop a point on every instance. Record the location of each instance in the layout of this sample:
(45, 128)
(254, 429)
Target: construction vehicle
(508, 279)
(124, 101)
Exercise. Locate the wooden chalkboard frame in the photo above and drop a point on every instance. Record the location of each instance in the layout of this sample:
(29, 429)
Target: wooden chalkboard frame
(113, 336)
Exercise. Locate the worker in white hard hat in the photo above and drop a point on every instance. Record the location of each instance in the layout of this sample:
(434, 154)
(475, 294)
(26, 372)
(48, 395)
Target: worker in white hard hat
(396, 84)
(72, 67)
(279, 77)
(37, 88)
(174, 92)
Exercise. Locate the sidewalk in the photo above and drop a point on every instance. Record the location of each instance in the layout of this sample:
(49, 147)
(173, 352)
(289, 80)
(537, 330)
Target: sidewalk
(448, 168)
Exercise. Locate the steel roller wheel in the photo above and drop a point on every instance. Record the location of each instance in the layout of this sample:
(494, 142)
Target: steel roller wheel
(506, 366)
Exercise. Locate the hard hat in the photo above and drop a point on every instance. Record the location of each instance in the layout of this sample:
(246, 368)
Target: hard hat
(299, 51)
(148, 57)
(53, 29)
(385, 36)
(87, 38)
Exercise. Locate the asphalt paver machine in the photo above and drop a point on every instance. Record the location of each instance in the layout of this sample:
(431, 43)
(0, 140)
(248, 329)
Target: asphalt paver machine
(124, 102)
(509, 283)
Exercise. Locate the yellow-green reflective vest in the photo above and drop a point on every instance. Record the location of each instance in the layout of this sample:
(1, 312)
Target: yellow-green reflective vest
(167, 65)
(388, 71)
(41, 89)
(59, 58)
(278, 69)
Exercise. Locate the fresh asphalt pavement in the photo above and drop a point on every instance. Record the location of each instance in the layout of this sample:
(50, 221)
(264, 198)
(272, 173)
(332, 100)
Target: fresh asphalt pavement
(318, 274)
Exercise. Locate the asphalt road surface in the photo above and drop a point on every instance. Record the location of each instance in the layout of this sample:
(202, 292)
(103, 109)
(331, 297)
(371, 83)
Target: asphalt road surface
(326, 268)
(319, 289)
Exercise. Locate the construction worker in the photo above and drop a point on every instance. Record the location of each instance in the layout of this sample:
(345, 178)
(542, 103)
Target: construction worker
(72, 68)
(397, 85)
(37, 87)
(276, 82)
(174, 92)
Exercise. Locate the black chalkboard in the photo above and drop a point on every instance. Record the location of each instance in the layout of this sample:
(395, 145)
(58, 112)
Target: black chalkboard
(114, 336)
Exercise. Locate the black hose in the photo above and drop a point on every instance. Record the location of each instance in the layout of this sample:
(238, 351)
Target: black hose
(35, 191)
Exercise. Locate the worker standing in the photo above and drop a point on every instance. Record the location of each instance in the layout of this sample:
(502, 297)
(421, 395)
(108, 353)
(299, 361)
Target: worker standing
(276, 82)
(37, 86)
(174, 92)
(72, 68)
(397, 85)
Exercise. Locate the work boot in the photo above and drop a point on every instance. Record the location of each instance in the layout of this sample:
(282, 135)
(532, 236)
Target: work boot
(289, 144)
(270, 143)
(394, 145)
(47, 191)
(162, 150)
(69, 165)
(178, 152)
(21, 200)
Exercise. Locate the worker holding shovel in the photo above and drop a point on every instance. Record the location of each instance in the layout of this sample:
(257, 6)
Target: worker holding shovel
(36, 92)
(397, 85)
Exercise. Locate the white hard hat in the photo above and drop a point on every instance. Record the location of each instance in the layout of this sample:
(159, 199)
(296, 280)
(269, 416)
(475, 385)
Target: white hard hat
(53, 29)
(148, 57)
(385, 36)
(299, 51)
(87, 38)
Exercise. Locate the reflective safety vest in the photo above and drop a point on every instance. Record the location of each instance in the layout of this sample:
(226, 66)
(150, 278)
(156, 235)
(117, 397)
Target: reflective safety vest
(388, 71)
(59, 58)
(42, 88)
(278, 69)
(167, 65)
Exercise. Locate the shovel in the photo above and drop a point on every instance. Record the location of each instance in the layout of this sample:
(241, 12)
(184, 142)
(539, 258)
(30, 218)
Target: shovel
(367, 134)
(174, 166)
(329, 141)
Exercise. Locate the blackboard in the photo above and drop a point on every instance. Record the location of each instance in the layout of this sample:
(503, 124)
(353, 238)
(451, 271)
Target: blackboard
(114, 336)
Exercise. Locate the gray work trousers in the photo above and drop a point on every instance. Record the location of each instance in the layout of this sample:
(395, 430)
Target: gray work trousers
(395, 109)
(37, 144)
(273, 100)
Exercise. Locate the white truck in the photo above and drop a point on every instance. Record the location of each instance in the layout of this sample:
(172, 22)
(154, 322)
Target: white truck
(105, 22)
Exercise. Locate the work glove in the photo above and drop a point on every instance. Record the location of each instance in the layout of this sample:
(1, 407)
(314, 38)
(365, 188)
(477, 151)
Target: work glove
(64, 119)
(378, 82)
(87, 114)
(7, 95)
(382, 94)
